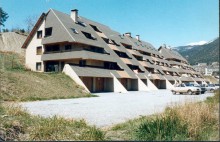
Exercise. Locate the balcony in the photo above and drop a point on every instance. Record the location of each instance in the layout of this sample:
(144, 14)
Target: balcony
(83, 54)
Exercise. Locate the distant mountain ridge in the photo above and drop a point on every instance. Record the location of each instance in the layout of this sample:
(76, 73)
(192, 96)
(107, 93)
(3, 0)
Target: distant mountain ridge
(206, 53)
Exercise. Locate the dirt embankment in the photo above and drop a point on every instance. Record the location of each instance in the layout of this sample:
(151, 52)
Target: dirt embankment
(12, 42)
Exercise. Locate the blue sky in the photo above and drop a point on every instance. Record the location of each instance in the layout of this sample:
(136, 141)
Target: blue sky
(173, 22)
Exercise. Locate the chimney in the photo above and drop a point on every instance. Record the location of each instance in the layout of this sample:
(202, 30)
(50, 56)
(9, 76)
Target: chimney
(138, 37)
(74, 15)
(128, 34)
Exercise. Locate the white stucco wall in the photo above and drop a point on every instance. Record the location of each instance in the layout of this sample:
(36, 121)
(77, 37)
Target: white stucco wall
(150, 85)
(142, 86)
(169, 86)
(71, 73)
(30, 56)
(118, 87)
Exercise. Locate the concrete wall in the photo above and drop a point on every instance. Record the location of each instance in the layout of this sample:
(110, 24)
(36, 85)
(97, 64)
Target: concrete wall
(150, 85)
(71, 73)
(142, 85)
(118, 87)
(30, 56)
(169, 85)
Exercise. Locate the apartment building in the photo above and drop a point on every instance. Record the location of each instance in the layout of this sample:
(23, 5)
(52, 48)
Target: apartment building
(101, 59)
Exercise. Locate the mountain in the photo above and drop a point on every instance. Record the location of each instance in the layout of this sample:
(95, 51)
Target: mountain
(206, 53)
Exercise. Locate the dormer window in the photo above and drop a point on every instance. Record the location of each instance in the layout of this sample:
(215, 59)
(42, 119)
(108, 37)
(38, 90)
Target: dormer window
(114, 43)
(89, 36)
(121, 36)
(48, 31)
(74, 31)
(106, 40)
(95, 28)
(127, 46)
(81, 23)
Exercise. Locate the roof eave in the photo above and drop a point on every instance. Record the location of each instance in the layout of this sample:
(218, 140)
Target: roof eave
(30, 36)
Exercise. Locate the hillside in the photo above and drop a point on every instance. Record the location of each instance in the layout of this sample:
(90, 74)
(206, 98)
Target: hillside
(18, 84)
(206, 53)
(12, 42)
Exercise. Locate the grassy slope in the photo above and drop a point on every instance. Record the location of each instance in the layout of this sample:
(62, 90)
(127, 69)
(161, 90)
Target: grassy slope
(193, 121)
(16, 124)
(17, 84)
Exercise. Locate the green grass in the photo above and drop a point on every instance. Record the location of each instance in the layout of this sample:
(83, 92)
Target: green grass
(20, 84)
(16, 124)
(192, 121)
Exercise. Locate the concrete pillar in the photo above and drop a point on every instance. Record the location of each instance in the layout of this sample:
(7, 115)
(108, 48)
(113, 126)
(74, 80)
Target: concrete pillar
(142, 86)
(118, 87)
(60, 66)
(71, 73)
(169, 85)
(93, 84)
(150, 85)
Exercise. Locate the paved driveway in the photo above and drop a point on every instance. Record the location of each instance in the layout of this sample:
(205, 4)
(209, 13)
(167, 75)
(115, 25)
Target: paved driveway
(110, 108)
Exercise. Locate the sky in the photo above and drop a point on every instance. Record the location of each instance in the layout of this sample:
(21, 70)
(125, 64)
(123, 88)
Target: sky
(170, 22)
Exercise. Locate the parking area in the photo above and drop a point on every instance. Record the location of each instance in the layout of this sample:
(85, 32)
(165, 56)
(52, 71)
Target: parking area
(110, 108)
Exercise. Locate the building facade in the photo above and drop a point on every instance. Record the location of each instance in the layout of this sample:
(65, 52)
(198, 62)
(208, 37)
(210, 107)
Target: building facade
(101, 59)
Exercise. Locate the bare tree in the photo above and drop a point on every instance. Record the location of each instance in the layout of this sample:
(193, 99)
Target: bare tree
(30, 22)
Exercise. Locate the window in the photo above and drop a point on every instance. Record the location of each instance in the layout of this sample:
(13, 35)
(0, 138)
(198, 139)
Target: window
(48, 31)
(81, 23)
(39, 50)
(114, 43)
(82, 63)
(39, 34)
(74, 31)
(134, 67)
(139, 58)
(88, 35)
(68, 47)
(127, 46)
(121, 36)
(52, 48)
(122, 54)
(38, 66)
(95, 28)
(106, 40)
(111, 66)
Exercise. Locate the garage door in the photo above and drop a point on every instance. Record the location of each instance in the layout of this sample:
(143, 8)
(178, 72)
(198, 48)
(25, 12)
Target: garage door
(88, 82)
(99, 84)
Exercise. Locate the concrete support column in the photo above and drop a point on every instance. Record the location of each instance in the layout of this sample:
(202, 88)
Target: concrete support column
(142, 86)
(117, 86)
(150, 85)
(93, 84)
(169, 85)
(43, 67)
(71, 73)
(60, 66)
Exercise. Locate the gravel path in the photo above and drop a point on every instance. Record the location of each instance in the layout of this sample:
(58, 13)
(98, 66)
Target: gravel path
(110, 108)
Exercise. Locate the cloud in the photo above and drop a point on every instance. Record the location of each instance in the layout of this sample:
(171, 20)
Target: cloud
(197, 43)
